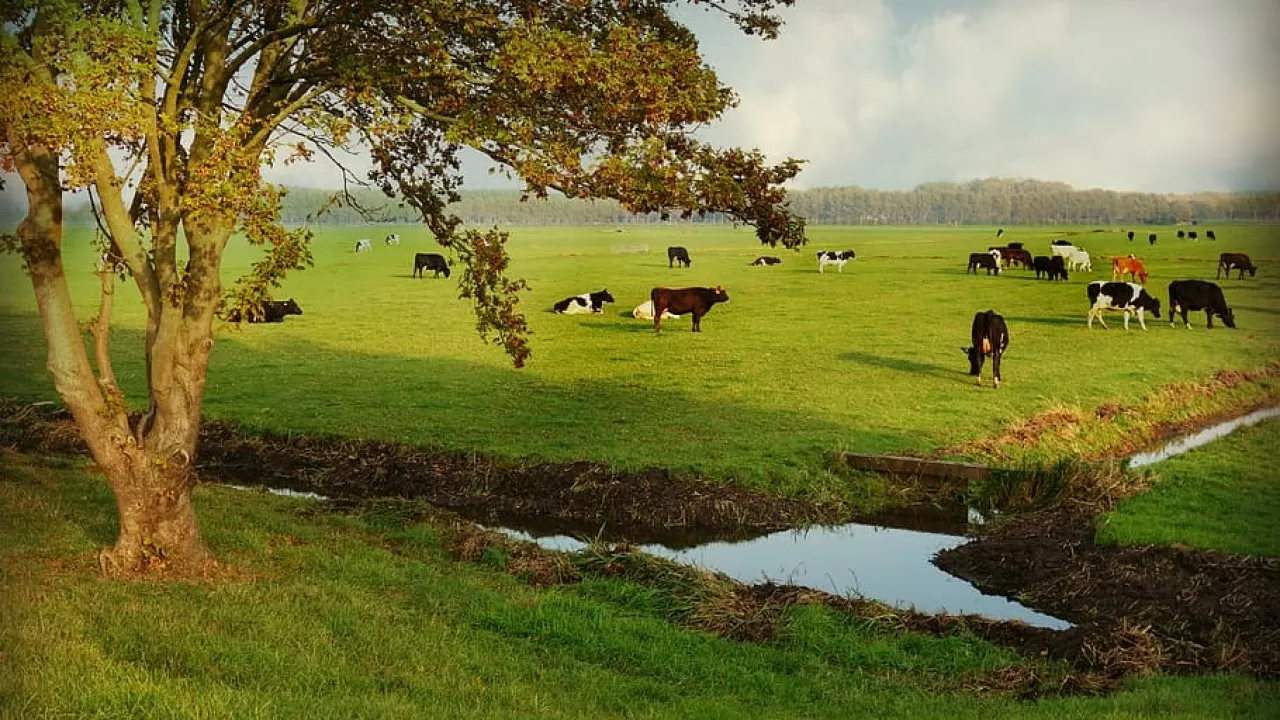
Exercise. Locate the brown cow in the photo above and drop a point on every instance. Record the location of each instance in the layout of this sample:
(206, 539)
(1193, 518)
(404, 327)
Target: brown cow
(1120, 266)
(1240, 261)
(678, 301)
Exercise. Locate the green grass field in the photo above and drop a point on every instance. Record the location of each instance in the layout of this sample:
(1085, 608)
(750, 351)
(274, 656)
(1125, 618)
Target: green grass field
(796, 365)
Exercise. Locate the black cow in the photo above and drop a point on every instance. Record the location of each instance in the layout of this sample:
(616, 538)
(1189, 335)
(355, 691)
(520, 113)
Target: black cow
(766, 260)
(999, 233)
(273, 311)
(429, 261)
(1124, 296)
(1054, 268)
(584, 303)
(984, 260)
(1192, 234)
(1181, 234)
(1239, 261)
(678, 301)
(990, 337)
(1061, 242)
(1130, 236)
(1209, 234)
(677, 254)
(1015, 246)
(1187, 295)
(1151, 239)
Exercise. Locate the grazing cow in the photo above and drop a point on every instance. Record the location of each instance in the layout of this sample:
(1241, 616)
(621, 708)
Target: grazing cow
(1053, 268)
(1151, 239)
(1132, 266)
(1192, 235)
(999, 233)
(644, 311)
(1239, 261)
(1181, 234)
(1063, 251)
(989, 260)
(1015, 246)
(990, 337)
(834, 257)
(1130, 236)
(1209, 235)
(584, 303)
(392, 239)
(1187, 295)
(364, 245)
(678, 301)
(1079, 260)
(1017, 256)
(429, 261)
(273, 311)
(766, 260)
(678, 255)
(1127, 297)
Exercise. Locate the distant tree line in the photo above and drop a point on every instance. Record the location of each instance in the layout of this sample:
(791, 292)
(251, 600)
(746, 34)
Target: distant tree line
(994, 201)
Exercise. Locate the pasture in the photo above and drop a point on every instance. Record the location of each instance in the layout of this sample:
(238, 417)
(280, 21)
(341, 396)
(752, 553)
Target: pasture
(796, 365)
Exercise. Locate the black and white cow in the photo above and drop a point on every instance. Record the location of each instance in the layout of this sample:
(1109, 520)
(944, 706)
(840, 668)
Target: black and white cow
(989, 260)
(766, 261)
(1054, 268)
(990, 337)
(679, 256)
(1187, 295)
(834, 257)
(364, 245)
(583, 304)
(1124, 296)
(392, 239)
(999, 233)
(429, 261)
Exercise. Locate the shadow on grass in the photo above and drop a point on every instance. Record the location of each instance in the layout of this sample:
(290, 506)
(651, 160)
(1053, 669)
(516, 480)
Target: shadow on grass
(910, 367)
(1061, 320)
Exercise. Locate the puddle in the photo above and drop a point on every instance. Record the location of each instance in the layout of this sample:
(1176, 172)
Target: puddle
(883, 563)
(1201, 438)
(282, 491)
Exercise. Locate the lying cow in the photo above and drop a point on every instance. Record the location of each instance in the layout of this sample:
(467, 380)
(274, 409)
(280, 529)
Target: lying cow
(429, 261)
(273, 311)
(364, 245)
(766, 261)
(644, 311)
(834, 257)
(1187, 295)
(678, 301)
(989, 260)
(990, 337)
(584, 303)
(1238, 261)
(678, 255)
(1131, 266)
(1127, 297)
(1079, 260)
(1052, 267)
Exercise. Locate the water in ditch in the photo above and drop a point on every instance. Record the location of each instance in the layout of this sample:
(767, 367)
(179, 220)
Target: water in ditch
(1203, 437)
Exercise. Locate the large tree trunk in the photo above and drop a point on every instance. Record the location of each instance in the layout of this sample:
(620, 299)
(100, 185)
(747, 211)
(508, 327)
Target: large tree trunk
(158, 527)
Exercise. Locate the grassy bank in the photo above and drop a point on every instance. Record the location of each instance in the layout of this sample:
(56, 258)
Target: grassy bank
(322, 615)
(798, 364)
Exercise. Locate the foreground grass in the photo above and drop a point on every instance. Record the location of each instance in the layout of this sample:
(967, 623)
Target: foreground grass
(1223, 496)
(797, 365)
(331, 616)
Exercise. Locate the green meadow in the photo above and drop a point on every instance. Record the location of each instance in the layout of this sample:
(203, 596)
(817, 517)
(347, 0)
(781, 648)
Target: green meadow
(796, 365)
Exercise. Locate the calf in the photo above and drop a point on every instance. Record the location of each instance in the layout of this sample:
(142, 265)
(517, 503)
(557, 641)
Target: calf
(1079, 260)
(1209, 235)
(1127, 297)
(678, 301)
(273, 311)
(1132, 266)
(364, 245)
(644, 311)
(1240, 261)
(392, 239)
(677, 254)
(1187, 295)
(1151, 239)
(990, 337)
(989, 260)
(584, 303)
(834, 257)
(429, 261)
(765, 261)
(1053, 268)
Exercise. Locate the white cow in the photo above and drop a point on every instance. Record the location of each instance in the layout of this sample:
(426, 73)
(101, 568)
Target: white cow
(644, 311)
(1079, 260)
(1062, 250)
(364, 245)
(392, 239)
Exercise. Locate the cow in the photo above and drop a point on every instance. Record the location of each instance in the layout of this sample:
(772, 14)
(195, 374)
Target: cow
(1017, 256)
(1191, 234)
(1132, 266)
(429, 261)
(834, 257)
(989, 260)
(273, 311)
(584, 303)
(1060, 241)
(644, 311)
(364, 245)
(678, 255)
(766, 261)
(678, 301)
(1239, 261)
(1151, 239)
(1079, 260)
(1210, 236)
(999, 233)
(392, 239)
(1063, 251)
(990, 337)
(1053, 268)
(1187, 295)
(1125, 296)
(1130, 236)
(1181, 234)
(1015, 246)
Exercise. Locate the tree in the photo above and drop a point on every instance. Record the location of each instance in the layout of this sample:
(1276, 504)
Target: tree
(166, 110)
